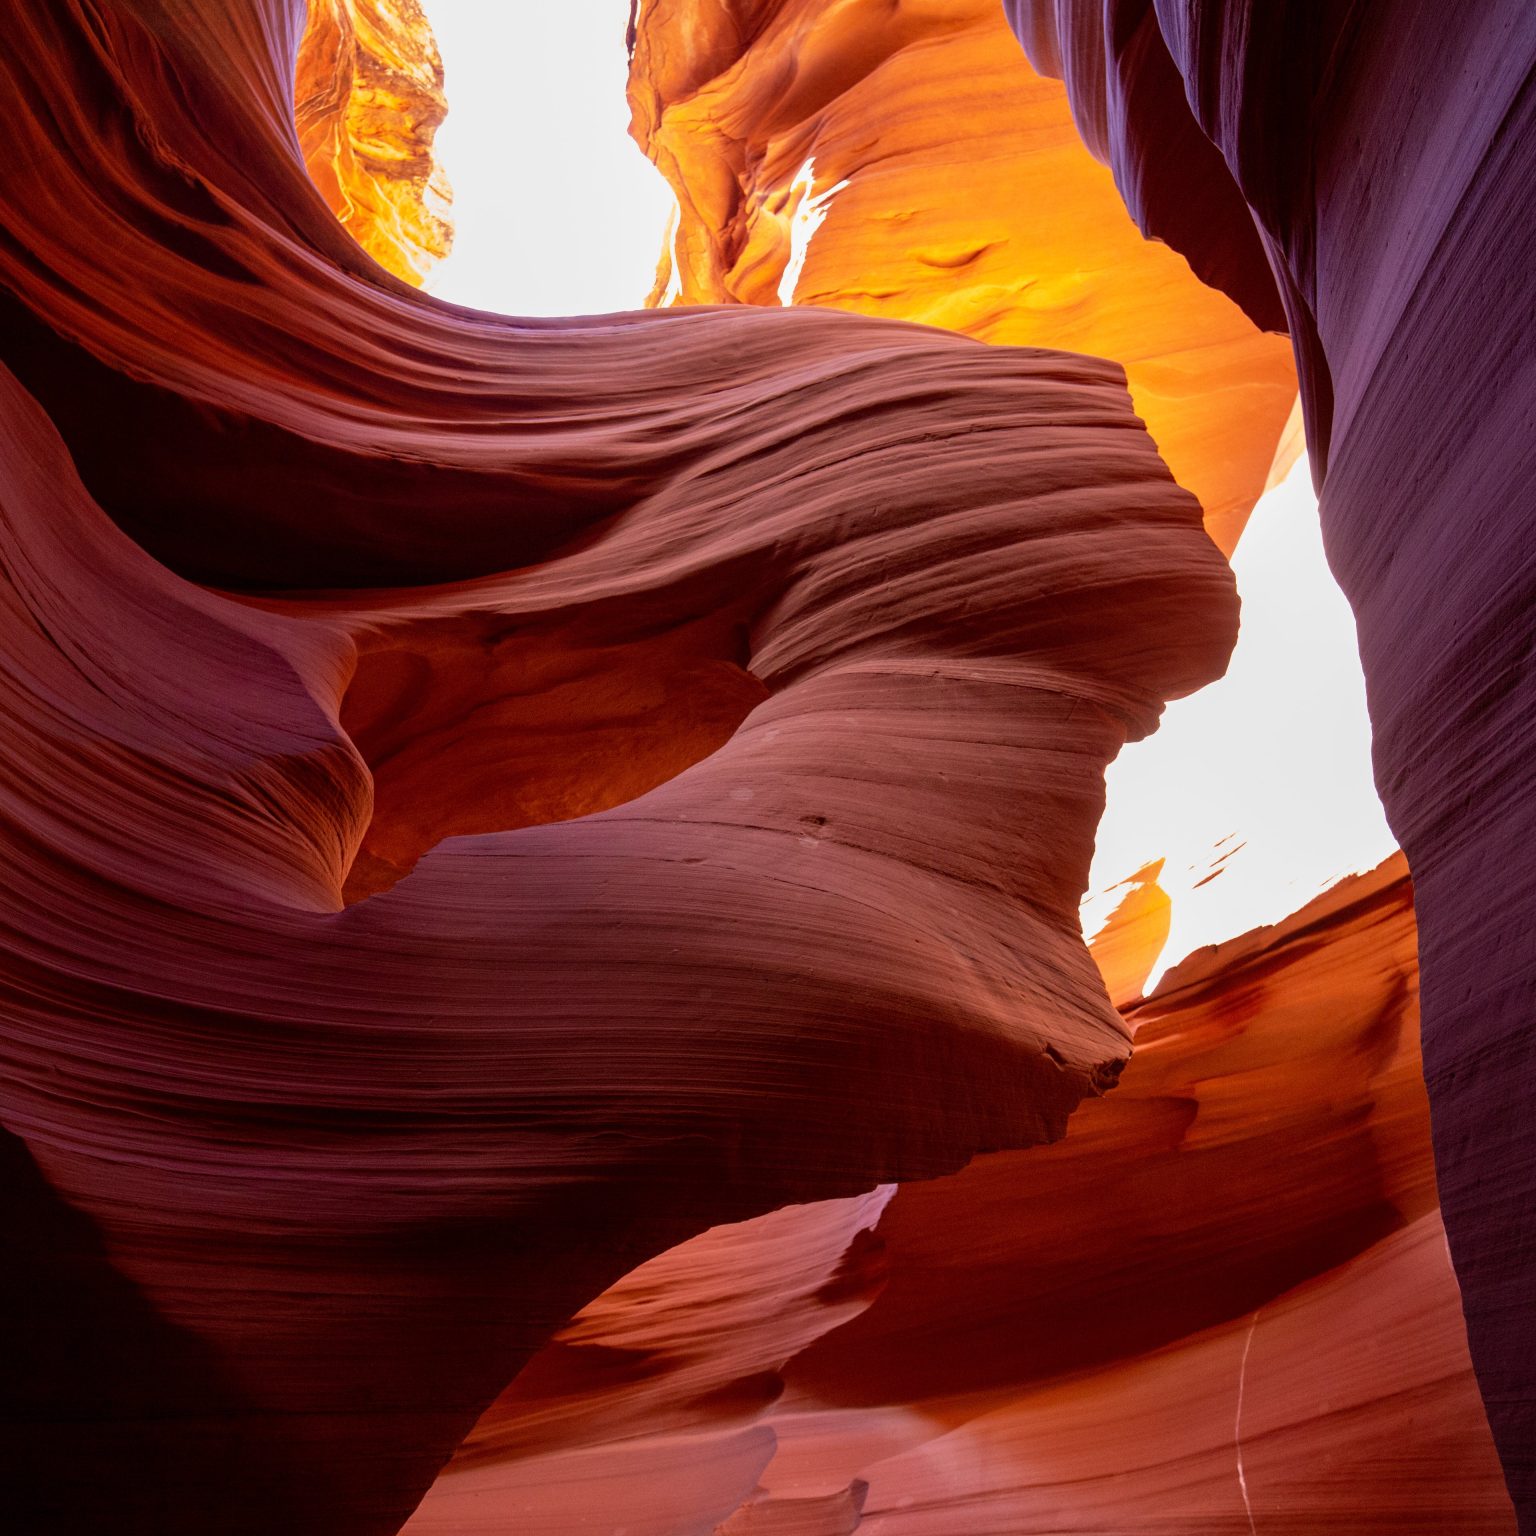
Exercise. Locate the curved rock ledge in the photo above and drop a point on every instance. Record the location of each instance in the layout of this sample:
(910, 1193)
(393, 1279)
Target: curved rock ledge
(1224, 1299)
(319, 1129)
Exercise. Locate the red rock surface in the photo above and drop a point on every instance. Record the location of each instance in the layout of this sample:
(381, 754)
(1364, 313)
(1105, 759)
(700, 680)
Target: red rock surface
(1222, 1303)
(1383, 155)
(316, 1130)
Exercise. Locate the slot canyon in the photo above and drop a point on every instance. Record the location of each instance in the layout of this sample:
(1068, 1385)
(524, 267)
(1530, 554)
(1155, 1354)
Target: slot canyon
(872, 881)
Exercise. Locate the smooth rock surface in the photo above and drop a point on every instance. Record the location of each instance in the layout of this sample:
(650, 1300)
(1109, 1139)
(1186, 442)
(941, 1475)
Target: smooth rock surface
(1385, 156)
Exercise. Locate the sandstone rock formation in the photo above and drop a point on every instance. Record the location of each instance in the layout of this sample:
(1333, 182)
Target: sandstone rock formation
(508, 821)
(367, 102)
(1383, 155)
(945, 183)
(1223, 1300)
(756, 665)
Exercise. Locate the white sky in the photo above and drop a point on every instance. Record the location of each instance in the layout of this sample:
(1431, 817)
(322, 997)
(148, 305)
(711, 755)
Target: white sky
(1275, 757)
(556, 211)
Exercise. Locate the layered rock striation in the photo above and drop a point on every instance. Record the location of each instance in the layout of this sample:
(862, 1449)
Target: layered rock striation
(1224, 1300)
(1382, 155)
(754, 667)
(368, 101)
(907, 162)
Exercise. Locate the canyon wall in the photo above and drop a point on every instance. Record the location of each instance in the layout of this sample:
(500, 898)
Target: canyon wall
(368, 101)
(526, 838)
(485, 800)
(1384, 157)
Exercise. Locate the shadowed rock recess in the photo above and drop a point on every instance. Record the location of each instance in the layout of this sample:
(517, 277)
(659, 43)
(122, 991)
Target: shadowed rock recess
(542, 856)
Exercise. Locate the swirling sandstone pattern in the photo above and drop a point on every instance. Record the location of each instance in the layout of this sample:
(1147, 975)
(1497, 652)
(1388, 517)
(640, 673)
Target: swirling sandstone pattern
(1223, 1303)
(1384, 156)
(953, 190)
(367, 103)
(758, 663)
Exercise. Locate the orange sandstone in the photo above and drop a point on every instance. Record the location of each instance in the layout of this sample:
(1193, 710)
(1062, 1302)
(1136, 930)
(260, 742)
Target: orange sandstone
(367, 101)
(952, 189)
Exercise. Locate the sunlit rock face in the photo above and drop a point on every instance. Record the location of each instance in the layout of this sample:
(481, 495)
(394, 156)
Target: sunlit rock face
(760, 669)
(908, 162)
(1384, 155)
(367, 101)
(1223, 1302)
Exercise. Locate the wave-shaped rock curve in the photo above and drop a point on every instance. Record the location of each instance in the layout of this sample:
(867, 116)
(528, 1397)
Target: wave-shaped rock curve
(332, 1123)
(1223, 1298)
(907, 162)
